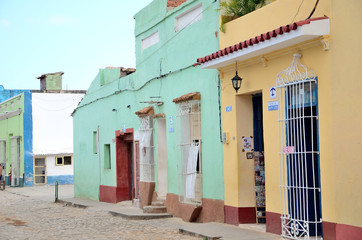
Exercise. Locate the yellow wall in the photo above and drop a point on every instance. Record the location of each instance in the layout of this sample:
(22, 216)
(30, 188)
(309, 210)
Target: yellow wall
(340, 106)
(244, 116)
(346, 109)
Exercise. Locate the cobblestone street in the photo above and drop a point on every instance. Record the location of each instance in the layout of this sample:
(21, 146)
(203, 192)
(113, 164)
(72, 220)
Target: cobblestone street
(23, 217)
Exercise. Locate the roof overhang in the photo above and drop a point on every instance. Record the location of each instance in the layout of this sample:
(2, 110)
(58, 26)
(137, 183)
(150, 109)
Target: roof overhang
(303, 33)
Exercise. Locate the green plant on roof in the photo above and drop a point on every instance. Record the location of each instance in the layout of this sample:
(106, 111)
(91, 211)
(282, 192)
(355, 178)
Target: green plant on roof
(233, 9)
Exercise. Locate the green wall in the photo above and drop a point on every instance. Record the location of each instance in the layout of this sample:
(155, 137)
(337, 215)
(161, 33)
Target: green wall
(13, 126)
(164, 69)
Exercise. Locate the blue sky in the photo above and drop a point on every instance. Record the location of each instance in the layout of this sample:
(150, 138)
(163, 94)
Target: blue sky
(77, 37)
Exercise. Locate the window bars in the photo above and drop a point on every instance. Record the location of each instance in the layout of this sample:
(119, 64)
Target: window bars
(147, 163)
(298, 152)
(189, 147)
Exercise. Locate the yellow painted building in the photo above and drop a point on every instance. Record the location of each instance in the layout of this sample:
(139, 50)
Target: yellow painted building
(293, 130)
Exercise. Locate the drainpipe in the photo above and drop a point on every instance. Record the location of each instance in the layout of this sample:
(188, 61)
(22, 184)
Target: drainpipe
(99, 161)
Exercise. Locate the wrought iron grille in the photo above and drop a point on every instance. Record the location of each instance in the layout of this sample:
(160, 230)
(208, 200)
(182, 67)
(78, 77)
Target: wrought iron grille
(147, 164)
(189, 149)
(300, 191)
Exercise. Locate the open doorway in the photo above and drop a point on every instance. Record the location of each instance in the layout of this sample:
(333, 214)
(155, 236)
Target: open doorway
(124, 165)
(162, 183)
(40, 170)
(259, 166)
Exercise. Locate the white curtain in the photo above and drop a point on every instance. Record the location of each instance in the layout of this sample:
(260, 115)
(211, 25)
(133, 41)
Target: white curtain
(191, 170)
(146, 158)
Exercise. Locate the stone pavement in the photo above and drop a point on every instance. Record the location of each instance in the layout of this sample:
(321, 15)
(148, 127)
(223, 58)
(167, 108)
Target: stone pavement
(30, 213)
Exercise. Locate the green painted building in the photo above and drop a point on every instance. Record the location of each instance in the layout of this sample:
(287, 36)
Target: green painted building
(156, 132)
(16, 142)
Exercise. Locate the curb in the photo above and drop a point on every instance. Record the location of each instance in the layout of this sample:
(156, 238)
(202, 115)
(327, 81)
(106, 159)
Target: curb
(70, 204)
(140, 217)
(118, 214)
(194, 234)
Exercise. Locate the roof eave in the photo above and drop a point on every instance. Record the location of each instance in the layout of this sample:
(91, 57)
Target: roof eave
(303, 33)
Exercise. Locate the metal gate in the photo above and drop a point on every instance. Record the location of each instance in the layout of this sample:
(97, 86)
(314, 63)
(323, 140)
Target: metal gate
(189, 151)
(15, 161)
(300, 190)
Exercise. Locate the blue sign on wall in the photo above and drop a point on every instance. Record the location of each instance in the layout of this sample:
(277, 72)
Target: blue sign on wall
(273, 105)
(228, 109)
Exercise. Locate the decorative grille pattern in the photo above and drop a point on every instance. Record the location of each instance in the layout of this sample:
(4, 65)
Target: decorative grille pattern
(298, 150)
(147, 164)
(189, 149)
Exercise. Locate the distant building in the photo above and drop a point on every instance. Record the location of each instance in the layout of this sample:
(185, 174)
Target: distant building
(36, 133)
(155, 134)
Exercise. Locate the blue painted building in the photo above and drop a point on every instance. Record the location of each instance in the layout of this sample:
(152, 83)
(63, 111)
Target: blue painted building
(36, 133)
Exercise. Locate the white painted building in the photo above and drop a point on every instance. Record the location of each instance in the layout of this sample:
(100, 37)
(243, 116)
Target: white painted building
(53, 136)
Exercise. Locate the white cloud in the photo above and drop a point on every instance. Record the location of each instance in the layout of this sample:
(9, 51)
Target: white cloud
(62, 20)
(4, 23)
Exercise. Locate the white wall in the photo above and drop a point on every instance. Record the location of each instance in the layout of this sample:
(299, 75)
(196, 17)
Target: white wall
(52, 122)
(54, 170)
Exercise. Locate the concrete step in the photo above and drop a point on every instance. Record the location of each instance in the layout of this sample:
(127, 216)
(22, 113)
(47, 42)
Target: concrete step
(154, 209)
(158, 203)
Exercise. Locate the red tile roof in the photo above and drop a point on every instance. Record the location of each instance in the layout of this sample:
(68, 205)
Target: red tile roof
(257, 39)
(159, 115)
(175, 3)
(187, 97)
(145, 111)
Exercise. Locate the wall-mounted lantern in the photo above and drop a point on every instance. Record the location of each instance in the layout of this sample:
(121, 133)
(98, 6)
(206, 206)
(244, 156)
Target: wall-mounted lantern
(236, 80)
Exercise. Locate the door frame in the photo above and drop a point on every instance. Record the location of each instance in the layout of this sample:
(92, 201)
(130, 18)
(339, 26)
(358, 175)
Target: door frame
(163, 184)
(124, 163)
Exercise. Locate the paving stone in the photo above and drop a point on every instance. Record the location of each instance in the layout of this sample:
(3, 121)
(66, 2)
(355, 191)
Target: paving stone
(23, 217)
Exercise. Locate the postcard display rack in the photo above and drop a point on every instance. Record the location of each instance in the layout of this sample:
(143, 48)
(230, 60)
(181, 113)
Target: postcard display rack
(259, 186)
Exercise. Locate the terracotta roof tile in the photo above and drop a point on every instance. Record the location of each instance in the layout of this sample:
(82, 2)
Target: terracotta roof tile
(187, 97)
(159, 115)
(257, 39)
(175, 3)
(145, 112)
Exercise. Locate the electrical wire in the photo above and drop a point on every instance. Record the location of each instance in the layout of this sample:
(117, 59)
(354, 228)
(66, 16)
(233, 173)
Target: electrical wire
(219, 102)
(300, 5)
(132, 90)
(143, 60)
(315, 6)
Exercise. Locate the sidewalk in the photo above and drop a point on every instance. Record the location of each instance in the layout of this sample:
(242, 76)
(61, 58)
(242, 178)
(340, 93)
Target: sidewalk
(125, 210)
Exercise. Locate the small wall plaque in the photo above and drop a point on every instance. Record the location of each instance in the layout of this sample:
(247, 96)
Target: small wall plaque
(249, 155)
